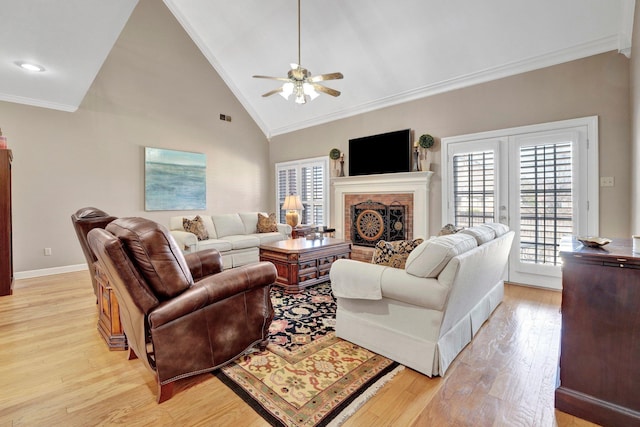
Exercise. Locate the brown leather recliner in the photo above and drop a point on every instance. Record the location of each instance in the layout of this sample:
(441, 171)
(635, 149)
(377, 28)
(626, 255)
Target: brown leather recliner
(85, 220)
(182, 315)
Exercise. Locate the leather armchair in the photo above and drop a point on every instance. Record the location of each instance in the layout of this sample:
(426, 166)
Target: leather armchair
(85, 220)
(182, 314)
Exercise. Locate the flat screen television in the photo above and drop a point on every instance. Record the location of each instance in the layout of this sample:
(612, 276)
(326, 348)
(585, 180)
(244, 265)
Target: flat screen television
(384, 153)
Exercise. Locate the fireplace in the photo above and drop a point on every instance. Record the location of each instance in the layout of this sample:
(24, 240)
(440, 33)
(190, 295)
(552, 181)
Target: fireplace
(375, 221)
(410, 190)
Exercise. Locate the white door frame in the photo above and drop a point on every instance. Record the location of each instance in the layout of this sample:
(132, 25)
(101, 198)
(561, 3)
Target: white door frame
(587, 165)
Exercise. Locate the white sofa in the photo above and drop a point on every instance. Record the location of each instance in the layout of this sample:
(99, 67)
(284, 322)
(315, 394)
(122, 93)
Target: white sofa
(424, 315)
(234, 235)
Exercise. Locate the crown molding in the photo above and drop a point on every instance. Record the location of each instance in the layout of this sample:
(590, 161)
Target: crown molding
(37, 102)
(528, 64)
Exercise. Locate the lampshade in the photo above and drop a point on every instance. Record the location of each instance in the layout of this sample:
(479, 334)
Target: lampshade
(292, 202)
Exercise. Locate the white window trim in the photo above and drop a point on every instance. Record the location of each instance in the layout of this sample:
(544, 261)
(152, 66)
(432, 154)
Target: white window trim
(298, 164)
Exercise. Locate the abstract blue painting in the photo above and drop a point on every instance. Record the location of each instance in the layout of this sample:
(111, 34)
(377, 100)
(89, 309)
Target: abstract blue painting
(174, 180)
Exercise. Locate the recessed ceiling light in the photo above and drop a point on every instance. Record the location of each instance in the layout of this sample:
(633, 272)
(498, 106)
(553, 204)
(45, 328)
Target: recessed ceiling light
(29, 66)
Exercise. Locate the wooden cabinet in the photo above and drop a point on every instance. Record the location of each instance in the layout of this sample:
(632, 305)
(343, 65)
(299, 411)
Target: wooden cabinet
(6, 238)
(599, 372)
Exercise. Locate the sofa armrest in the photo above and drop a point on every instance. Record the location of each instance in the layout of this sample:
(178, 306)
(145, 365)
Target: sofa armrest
(356, 279)
(204, 263)
(188, 242)
(212, 289)
(285, 229)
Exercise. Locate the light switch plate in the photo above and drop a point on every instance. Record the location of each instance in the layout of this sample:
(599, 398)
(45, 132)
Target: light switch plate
(606, 181)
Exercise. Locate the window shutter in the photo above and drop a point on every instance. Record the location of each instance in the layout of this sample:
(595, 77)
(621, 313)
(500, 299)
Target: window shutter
(474, 188)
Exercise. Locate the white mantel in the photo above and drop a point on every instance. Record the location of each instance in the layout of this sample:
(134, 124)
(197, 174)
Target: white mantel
(416, 183)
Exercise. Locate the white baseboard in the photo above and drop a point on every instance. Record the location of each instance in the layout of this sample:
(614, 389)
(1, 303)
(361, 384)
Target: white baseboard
(49, 271)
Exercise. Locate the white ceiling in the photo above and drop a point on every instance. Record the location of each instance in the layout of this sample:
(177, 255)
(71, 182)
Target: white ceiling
(389, 52)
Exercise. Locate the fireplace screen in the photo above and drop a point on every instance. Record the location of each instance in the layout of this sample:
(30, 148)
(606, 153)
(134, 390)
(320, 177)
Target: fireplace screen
(373, 221)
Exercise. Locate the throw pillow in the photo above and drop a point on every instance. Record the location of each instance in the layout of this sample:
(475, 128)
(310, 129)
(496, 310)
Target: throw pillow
(195, 226)
(449, 229)
(267, 224)
(394, 254)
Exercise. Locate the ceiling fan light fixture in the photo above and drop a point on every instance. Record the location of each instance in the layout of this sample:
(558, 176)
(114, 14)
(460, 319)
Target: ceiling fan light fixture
(300, 82)
(287, 90)
(309, 90)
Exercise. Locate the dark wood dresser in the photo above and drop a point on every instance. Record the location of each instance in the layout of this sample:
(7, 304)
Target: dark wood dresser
(6, 233)
(599, 372)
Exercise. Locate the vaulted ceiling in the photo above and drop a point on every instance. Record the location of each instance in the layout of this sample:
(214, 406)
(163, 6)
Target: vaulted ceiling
(389, 52)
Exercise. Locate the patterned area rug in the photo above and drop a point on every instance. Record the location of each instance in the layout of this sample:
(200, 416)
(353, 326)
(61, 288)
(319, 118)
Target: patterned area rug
(307, 376)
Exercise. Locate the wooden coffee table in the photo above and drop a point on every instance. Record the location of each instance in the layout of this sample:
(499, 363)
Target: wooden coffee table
(301, 263)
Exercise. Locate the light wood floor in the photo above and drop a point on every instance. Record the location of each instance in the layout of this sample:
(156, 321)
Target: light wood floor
(56, 370)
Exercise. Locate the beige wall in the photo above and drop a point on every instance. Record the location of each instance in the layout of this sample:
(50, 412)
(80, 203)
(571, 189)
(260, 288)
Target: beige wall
(598, 85)
(635, 125)
(155, 89)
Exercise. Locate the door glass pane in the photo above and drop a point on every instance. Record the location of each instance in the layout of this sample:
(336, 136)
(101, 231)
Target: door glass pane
(546, 201)
(474, 188)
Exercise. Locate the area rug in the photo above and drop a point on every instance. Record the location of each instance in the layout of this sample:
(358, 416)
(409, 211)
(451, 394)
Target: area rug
(307, 376)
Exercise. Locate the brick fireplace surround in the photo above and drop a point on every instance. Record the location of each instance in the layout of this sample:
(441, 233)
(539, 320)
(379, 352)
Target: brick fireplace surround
(410, 189)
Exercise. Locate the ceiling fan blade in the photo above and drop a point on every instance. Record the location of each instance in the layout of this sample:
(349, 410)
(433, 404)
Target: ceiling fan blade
(282, 79)
(273, 92)
(322, 77)
(325, 89)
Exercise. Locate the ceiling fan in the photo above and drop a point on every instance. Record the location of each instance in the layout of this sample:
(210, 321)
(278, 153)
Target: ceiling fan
(300, 82)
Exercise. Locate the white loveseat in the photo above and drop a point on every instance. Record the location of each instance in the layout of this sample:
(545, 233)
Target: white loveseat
(425, 314)
(234, 235)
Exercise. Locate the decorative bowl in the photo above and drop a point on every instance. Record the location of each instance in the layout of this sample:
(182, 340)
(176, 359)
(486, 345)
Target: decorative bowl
(594, 242)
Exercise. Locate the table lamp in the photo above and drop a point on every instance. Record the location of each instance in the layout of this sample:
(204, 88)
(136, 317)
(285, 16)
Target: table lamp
(292, 204)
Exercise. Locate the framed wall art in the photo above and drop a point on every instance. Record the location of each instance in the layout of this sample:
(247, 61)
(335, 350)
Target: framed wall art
(174, 180)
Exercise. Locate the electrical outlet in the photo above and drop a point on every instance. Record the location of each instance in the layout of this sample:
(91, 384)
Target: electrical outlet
(606, 181)
(47, 251)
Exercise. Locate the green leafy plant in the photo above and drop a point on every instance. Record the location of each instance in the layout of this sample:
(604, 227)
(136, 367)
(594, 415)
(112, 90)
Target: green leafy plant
(334, 154)
(426, 141)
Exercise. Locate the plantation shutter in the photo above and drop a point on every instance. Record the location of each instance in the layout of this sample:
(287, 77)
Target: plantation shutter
(309, 179)
(546, 201)
(474, 188)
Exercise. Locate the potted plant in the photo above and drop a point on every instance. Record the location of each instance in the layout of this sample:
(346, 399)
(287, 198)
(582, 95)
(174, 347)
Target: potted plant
(425, 142)
(334, 155)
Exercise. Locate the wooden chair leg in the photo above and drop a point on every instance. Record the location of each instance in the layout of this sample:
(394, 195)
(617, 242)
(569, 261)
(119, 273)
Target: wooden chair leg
(165, 392)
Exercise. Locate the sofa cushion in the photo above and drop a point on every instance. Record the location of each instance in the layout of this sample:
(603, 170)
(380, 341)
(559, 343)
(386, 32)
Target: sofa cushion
(242, 241)
(431, 256)
(267, 224)
(269, 237)
(228, 224)
(195, 226)
(217, 244)
(497, 227)
(480, 233)
(250, 222)
(394, 254)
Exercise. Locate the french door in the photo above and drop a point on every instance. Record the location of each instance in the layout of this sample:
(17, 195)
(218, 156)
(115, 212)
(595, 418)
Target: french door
(540, 180)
